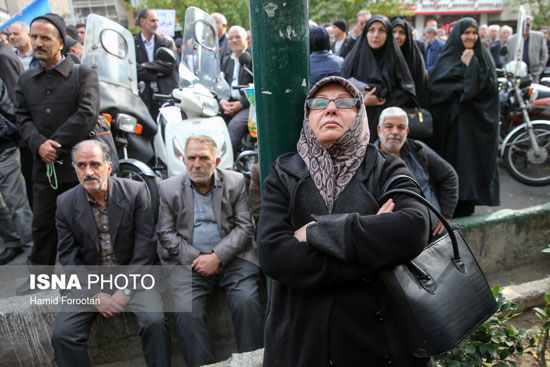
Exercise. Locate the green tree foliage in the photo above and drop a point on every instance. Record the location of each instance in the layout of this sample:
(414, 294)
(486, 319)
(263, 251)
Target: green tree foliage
(539, 10)
(322, 11)
(236, 11)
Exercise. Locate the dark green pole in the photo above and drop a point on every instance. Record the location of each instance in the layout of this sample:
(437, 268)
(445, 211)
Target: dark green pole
(280, 45)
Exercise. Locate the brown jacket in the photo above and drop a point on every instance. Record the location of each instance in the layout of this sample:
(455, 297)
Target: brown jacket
(176, 219)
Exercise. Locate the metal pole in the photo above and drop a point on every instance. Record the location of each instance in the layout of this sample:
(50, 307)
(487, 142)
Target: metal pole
(280, 45)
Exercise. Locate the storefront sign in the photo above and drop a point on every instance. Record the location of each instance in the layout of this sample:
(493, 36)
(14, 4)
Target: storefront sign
(457, 6)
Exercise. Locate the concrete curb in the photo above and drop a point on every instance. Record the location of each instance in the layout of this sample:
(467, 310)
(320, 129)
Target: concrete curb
(527, 295)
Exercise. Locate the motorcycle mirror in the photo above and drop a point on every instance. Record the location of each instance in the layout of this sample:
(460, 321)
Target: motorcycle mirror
(165, 54)
(245, 58)
(141, 87)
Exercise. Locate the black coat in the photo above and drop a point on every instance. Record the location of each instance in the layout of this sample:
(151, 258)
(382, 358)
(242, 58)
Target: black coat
(9, 134)
(322, 309)
(346, 47)
(166, 82)
(465, 108)
(132, 231)
(48, 108)
(224, 51)
(244, 77)
(10, 69)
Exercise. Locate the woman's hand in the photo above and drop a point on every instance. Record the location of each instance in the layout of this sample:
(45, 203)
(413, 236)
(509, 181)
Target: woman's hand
(439, 228)
(371, 99)
(387, 207)
(467, 56)
(300, 234)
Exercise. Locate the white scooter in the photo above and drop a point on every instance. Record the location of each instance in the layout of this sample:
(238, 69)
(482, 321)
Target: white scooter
(192, 109)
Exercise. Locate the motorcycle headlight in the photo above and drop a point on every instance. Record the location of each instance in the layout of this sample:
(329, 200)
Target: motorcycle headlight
(126, 123)
(209, 106)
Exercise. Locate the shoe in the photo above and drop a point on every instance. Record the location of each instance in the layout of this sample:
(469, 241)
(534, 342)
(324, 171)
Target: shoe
(9, 253)
(25, 289)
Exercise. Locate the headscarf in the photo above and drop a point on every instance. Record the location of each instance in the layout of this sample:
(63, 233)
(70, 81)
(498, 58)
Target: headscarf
(383, 68)
(415, 61)
(332, 168)
(450, 55)
(319, 39)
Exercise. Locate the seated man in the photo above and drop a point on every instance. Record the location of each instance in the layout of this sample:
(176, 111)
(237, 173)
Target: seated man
(106, 221)
(436, 177)
(235, 111)
(204, 223)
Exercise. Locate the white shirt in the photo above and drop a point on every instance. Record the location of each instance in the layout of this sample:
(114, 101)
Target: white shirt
(149, 47)
(235, 92)
(25, 59)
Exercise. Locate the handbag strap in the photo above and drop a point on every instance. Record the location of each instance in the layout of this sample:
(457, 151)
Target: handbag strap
(448, 228)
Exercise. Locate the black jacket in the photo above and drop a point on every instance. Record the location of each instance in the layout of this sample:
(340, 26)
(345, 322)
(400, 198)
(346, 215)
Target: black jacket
(244, 77)
(10, 69)
(346, 47)
(166, 82)
(443, 177)
(224, 50)
(8, 132)
(133, 234)
(48, 108)
(323, 310)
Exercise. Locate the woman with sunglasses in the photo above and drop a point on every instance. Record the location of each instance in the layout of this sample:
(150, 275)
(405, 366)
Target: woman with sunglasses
(322, 238)
(377, 63)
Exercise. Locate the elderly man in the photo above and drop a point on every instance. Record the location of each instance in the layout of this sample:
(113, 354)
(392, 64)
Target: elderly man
(19, 38)
(52, 118)
(106, 221)
(436, 177)
(204, 222)
(535, 50)
(495, 44)
(236, 110)
(159, 76)
(433, 47)
(223, 43)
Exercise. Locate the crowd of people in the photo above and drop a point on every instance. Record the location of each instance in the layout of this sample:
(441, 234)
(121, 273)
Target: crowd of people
(322, 235)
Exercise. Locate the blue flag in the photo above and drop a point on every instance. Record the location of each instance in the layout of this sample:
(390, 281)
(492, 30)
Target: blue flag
(31, 11)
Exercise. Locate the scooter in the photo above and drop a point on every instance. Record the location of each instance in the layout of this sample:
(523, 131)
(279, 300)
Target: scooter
(525, 149)
(192, 109)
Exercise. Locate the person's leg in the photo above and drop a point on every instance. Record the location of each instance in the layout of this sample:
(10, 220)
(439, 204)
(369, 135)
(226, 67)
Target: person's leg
(153, 327)
(191, 327)
(12, 189)
(70, 337)
(240, 282)
(44, 234)
(238, 128)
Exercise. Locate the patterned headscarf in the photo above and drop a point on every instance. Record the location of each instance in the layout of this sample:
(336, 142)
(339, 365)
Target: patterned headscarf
(332, 168)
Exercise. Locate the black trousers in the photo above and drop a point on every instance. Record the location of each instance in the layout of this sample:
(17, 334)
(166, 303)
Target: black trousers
(44, 234)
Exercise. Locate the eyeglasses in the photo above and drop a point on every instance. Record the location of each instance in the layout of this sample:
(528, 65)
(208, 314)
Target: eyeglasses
(340, 102)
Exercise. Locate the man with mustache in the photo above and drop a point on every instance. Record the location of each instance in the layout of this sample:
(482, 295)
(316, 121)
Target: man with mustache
(107, 221)
(52, 118)
(436, 177)
(204, 222)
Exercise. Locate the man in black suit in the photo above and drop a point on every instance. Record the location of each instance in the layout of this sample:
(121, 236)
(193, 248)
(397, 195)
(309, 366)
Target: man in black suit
(107, 221)
(235, 111)
(160, 76)
(223, 44)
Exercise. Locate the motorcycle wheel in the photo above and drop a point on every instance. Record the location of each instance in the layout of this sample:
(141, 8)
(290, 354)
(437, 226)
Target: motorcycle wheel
(126, 170)
(523, 163)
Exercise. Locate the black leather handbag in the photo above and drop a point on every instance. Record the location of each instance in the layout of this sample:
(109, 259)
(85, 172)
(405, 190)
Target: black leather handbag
(441, 296)
(420, 123)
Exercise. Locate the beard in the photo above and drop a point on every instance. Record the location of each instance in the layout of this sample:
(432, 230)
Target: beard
(392, 143)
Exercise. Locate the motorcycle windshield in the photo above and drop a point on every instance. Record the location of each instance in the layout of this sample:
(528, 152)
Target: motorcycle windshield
(201, 55)
(109, 49)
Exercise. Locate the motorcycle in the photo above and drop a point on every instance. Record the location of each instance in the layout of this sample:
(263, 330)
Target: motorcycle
(192, 109)
(525, 147)
(109, 49)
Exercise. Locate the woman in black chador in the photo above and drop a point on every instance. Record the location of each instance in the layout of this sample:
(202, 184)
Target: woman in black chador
(465, 106)
(375, 59)
(402, 33)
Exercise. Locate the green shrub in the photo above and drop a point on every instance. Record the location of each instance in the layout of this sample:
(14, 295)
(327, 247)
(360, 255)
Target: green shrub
(492, 343)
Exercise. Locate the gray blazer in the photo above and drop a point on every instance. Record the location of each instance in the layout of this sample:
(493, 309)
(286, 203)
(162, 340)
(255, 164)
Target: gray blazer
(538, 53)
(176, 219)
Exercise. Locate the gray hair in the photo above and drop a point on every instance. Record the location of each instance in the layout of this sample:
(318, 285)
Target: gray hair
(431, 30)
(203, 139)
(393, 112)
(105, 149)
(24, 26)
(239, 29)
(495, 27)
